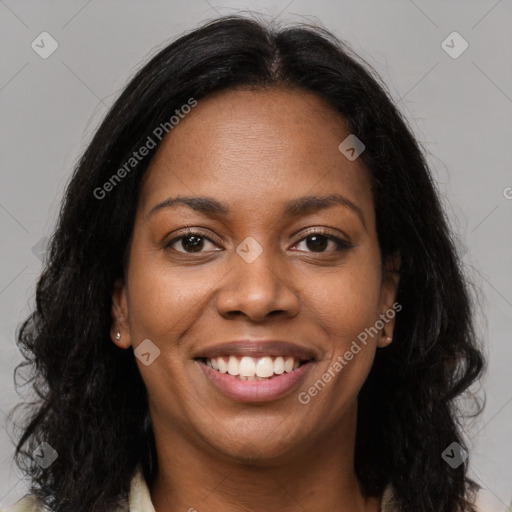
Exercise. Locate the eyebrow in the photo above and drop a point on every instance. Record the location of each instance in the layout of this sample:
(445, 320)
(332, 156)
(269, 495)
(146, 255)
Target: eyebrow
(293, 208)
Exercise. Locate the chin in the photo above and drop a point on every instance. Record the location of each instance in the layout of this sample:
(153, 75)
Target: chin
(257, 448)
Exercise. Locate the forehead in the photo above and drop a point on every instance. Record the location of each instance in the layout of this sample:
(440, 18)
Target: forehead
(243, 145)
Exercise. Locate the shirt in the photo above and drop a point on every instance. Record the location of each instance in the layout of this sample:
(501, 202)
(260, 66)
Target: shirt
(139, 499)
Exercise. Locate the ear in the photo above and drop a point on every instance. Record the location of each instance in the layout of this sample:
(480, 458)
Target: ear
(120, 327)
(388, 305)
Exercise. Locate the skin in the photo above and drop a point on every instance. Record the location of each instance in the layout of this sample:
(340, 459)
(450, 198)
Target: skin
(254, 150)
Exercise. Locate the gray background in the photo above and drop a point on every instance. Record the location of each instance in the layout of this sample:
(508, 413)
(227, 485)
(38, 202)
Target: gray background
(460, 110)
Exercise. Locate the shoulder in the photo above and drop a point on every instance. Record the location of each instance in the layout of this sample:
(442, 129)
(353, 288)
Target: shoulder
(139, 499)
(388, 502)
(31, 503)
(28, 503)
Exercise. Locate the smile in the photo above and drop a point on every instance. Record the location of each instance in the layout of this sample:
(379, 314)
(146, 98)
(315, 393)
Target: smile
(254, 368)
(253, 388)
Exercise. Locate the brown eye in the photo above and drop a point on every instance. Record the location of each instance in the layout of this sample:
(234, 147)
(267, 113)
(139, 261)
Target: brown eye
(319, 242)
(189, 243)
(194, 243)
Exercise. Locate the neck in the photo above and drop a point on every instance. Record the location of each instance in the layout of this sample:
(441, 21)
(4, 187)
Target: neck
(319, 476)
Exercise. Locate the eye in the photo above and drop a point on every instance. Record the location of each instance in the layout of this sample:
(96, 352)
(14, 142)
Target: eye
(191, 242)
(318, 241)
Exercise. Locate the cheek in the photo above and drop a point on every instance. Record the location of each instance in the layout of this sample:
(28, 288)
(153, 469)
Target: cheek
(346, 301)
(163, 300)
(162, 306)
(346, 307)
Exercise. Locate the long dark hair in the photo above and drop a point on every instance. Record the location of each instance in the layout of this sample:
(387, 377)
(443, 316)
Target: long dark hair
(92, 404)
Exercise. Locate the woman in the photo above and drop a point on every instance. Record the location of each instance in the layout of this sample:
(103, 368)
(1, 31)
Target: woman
(252, 300)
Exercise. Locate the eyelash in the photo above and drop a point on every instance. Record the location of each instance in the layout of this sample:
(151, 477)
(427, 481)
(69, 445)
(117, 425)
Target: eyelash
(341, 245)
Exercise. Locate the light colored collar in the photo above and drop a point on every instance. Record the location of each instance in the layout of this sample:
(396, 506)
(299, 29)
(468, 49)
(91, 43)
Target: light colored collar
(140, 499)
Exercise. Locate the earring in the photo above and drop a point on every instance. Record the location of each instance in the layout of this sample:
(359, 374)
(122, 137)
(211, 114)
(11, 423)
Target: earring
(389, 340)
(118, 335)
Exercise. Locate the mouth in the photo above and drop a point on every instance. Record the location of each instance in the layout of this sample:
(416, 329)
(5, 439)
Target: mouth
(248, 371)
(249, 368)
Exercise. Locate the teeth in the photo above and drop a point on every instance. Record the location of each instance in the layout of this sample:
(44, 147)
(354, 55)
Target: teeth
(250, 368)
(247, 367)
(264, 367)
(223, 366)
(233, 366)
(279, 365)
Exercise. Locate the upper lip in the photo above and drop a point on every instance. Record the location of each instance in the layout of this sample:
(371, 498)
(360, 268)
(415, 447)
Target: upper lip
(259, 348)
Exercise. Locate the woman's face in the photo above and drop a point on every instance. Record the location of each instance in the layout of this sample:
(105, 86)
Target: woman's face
(253, 271)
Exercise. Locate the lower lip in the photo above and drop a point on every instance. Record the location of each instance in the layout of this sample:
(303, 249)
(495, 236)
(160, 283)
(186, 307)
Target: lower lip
(255, 390)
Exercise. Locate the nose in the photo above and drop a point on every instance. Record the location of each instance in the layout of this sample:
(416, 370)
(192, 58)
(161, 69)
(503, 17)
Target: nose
(257, 290)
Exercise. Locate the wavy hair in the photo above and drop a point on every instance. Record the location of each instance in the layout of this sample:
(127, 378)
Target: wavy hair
(91, 404)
